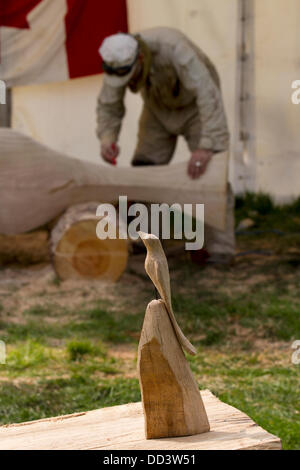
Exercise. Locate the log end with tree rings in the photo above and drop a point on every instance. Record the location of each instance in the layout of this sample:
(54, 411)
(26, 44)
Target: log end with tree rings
(78, 253)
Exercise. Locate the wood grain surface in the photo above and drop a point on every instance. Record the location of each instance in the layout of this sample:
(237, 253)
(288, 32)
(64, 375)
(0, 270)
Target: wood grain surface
(122, 427)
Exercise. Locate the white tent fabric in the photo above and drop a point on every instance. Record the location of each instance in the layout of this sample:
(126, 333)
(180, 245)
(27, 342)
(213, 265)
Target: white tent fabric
(277, 65)
(271, 161)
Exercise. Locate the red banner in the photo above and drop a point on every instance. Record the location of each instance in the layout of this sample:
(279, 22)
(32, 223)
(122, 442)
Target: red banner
(46, 40)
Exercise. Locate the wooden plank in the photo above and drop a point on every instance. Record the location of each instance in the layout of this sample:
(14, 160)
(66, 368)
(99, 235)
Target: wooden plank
(122, 427)
(37, 184)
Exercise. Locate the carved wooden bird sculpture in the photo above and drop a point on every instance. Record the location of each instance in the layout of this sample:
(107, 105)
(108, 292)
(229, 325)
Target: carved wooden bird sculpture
(156, 267)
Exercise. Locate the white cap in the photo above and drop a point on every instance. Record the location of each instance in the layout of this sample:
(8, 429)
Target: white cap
(119, 50)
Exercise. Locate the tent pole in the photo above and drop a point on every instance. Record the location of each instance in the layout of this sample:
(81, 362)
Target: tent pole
(244, 143)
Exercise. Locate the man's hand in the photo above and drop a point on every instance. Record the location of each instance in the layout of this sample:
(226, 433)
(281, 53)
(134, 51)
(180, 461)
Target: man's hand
(109, 153)
(198, 162)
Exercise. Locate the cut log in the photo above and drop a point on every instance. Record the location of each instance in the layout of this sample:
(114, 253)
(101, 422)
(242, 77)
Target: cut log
(25, 248)
(37, 184)
(121, 427)
(77, 253)
(171, 401)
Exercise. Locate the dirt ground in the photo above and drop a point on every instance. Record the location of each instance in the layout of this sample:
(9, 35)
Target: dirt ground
(22, 288)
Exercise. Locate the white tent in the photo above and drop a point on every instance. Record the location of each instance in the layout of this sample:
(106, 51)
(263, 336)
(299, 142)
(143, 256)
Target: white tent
(254, 44)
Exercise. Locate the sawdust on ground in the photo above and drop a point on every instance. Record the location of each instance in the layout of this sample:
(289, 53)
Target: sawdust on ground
(23, 288)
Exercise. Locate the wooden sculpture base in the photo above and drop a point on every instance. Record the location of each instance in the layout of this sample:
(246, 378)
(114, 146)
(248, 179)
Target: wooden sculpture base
(122, 427)
(172, 404)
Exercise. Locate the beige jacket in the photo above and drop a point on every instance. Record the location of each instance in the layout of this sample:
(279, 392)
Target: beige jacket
(181, 78)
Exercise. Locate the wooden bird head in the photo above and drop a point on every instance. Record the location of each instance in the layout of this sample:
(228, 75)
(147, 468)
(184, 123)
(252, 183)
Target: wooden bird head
(150, 241)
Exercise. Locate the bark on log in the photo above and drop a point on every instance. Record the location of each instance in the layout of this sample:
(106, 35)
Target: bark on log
(77, 253)
(171, 400)
(25, 249)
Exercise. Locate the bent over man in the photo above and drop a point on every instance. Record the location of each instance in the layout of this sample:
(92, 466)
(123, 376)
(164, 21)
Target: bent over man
(181, 91)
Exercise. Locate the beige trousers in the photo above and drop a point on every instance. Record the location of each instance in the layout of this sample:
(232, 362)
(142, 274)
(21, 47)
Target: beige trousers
(219, 242)
(156, 146)
(158, 134)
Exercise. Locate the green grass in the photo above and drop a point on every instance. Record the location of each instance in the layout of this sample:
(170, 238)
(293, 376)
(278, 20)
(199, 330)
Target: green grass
(24, 402)
(254, 202)
(32, 359)
(95, 322)
(274, 404)
(78, 349)
(269, 393)
(38, 310)
(61, 360)
(71, 375)
(27, 355)
(277, 314)
(266, 214)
